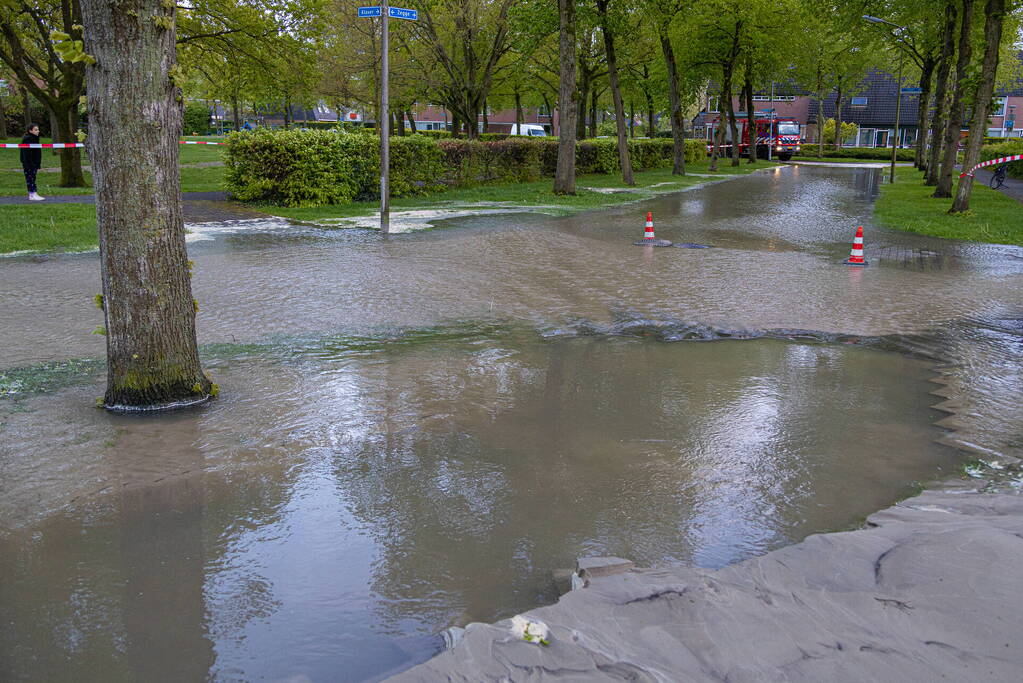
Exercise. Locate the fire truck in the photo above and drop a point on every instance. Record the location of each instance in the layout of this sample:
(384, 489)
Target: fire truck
(784, 139)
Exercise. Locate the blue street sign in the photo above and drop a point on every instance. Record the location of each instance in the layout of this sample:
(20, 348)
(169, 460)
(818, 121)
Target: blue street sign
(399, 13)
(911, 91)
(369, 11)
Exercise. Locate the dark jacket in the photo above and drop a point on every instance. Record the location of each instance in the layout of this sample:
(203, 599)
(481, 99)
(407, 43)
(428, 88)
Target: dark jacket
(31, 158)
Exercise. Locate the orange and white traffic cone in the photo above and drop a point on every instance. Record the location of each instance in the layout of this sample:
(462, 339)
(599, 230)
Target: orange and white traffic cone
(856, 257)
(649, 239)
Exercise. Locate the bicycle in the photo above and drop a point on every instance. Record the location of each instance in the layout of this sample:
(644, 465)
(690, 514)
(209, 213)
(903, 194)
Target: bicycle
(998, 178)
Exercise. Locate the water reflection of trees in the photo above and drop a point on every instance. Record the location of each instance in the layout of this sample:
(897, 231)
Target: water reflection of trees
(477, 472)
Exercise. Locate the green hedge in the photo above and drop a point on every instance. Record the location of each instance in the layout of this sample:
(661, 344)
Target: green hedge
(317, 167)
(1004, 149)
(810, 150)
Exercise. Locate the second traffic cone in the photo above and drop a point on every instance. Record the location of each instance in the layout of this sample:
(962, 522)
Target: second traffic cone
(649, 240)
(648, 232)
(856, 256)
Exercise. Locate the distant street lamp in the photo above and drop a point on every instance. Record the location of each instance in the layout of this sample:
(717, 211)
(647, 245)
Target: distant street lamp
(898, 91)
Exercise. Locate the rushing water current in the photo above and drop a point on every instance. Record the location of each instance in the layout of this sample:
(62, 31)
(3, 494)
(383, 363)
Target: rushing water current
(419, 432)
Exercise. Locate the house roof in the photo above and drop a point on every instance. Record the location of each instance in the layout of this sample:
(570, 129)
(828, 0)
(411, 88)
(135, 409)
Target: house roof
(879, 89)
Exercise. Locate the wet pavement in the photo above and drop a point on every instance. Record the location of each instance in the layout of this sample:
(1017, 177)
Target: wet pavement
(418, 431)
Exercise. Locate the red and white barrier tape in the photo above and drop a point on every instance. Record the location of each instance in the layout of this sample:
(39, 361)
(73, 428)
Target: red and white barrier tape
(70, 145)
(992, 162)
(45, 145)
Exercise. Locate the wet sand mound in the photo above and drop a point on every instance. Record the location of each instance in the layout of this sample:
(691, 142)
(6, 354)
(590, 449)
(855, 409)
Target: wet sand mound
(928, 591)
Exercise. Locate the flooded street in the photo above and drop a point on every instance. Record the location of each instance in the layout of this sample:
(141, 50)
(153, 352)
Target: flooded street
(418, 432)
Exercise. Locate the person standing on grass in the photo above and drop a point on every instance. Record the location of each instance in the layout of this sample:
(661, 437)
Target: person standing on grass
(31, 160)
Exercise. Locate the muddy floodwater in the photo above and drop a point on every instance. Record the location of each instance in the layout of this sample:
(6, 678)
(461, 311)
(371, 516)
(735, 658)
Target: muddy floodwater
(420, 432)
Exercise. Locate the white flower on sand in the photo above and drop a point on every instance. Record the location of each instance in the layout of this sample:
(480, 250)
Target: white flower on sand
(532, 631)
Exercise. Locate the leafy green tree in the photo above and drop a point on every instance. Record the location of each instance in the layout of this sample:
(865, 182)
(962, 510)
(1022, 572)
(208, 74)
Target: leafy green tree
(41, 44)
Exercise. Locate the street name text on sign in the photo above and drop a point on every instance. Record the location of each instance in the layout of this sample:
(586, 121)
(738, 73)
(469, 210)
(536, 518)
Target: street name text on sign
(392, 12)
(911, 91)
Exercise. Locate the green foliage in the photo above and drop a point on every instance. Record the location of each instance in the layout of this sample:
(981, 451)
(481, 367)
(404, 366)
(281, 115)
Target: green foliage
(1004, 149)
(196, 119)
(848, 130)
(908, 205)
(315, 168)
(438, 134)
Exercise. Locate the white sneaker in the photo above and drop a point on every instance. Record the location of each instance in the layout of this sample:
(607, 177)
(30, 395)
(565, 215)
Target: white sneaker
(34, 197)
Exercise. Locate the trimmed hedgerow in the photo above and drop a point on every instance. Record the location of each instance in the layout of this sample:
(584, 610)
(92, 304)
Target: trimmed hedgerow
(315, 168)
(1004, 149)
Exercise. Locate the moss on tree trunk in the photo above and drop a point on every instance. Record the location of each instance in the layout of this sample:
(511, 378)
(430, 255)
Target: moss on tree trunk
(135, 115)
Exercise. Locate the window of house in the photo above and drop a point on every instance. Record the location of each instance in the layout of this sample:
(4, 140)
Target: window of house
(712, 105)
(999, 108)
(859, 101)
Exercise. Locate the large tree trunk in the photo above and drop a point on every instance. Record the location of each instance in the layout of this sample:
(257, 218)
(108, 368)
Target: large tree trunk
(926, 76)
(564, 178)
(955, 112)
(678, 134)
(518, 113)
(616, 95)
(594, 96)
(236, 114)
(411, 121)
(940, 120)
(994, 19)
(134, 124)
(66, 117)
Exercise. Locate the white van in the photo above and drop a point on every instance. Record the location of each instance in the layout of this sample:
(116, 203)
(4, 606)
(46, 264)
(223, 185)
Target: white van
(527, 129)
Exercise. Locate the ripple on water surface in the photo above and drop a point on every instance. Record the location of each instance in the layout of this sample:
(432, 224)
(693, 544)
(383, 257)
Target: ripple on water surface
(339, 505)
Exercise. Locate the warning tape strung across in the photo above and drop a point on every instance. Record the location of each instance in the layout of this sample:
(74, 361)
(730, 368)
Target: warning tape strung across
(1000, 160)
(45, 145)
(69, 145)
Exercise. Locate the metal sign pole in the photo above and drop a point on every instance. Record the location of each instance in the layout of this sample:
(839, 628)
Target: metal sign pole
(383, 127)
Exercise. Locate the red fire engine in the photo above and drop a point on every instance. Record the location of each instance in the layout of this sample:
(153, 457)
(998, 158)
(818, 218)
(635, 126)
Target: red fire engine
(784, 140)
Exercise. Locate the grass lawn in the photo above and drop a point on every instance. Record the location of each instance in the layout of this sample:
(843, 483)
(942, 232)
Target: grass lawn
(908, 205)
(48, 227)
(12, 183)
(649, 183)
(37, 227)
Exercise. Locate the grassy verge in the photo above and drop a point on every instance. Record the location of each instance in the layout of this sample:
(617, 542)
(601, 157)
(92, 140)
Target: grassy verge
(588, 195)
(12, 183)
(35, 227)
(72, 227)
(908, 205)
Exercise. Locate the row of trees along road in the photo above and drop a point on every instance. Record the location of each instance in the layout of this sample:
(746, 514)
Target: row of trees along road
(575, 57)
